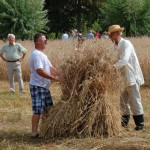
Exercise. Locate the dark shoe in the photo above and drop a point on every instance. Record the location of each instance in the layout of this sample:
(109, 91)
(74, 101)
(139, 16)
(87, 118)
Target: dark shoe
(139, 122)
(139, 128)
(35, 136)
(125, 120)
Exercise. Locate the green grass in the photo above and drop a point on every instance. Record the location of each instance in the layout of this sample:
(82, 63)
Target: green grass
(15, 127)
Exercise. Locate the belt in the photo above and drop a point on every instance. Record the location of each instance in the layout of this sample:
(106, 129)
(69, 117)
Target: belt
(13, 60)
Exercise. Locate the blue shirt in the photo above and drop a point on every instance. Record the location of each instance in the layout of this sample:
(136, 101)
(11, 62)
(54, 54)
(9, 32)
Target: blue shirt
(90, 36)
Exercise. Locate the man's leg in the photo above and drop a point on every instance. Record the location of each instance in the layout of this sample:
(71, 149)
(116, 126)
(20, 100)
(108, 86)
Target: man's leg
(136, 106)
(19, 76)
(35, 123)
(47, 103)
(10, 71)
(125, 108)
(36, 95)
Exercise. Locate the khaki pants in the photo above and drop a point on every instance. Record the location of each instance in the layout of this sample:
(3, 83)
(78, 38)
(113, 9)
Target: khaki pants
(15, 67)
(131, 100)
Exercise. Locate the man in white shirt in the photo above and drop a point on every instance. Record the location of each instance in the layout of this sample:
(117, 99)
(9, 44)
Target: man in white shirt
(42, 72)
(130, 98)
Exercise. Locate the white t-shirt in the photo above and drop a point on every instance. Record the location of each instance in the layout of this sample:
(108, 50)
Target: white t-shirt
(39, 60)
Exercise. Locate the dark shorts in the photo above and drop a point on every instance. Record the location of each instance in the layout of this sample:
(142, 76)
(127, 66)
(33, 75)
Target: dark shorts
(41, 99)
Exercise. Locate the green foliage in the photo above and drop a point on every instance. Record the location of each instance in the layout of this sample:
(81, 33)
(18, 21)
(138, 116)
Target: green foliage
(96, 26)
(51, 36)
(22, 17)
(84, 27)
(134, 15)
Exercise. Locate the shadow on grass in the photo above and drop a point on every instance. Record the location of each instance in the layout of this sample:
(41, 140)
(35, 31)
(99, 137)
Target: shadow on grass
(13, 138)
(24, 139)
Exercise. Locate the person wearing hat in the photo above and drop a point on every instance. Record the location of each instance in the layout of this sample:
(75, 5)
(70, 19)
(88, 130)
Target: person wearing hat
(130, 98)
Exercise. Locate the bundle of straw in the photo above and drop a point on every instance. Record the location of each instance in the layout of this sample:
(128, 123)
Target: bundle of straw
(88, 106)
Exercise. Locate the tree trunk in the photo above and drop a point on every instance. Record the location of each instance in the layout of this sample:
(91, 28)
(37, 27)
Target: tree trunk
(79, 15)
(128, 32)
(56, 34)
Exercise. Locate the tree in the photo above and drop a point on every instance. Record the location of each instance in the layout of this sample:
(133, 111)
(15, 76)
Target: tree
(68, 14)
(60, 15)
(134, 15)
(22, 17)
(86, 11)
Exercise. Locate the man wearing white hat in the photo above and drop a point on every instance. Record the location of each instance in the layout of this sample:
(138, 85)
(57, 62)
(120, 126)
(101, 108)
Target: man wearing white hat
(130, 98)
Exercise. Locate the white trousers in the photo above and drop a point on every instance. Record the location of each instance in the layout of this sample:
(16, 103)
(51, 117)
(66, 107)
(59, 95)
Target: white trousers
(15, 67)
(131, 100)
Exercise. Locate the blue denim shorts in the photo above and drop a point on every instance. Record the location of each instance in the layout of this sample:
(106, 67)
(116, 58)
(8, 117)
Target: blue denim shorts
(41, 99)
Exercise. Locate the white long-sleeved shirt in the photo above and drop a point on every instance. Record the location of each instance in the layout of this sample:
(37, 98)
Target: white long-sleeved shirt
(129, 60)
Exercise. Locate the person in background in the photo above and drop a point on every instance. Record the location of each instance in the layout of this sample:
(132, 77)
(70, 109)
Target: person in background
(15, 54)
(73, 34)
(90, 35)
(97, 35)
(131, 97)
(42, 72)
(65, 36)
(105, 35)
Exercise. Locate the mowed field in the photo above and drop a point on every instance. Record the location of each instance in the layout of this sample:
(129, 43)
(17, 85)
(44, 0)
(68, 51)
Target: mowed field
(15, 109)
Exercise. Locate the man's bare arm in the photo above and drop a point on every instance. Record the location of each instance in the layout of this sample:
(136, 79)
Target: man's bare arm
(54, 71)
(44, 74)
(3, 58)
(22, 57)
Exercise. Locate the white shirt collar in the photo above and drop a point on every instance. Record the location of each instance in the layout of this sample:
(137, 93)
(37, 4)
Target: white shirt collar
(120, 41)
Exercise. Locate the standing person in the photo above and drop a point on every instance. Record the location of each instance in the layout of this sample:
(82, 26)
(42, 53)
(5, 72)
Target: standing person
(130, 98)
(90, 35)
(15, 54)
(42, 72)
(97, 35)
(65, 36)
(105, 35)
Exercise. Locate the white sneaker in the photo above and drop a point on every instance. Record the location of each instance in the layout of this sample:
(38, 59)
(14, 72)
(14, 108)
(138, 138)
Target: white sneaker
(12, 90)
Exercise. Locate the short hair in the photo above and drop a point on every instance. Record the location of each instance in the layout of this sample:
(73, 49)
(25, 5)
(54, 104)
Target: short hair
(10, 34)
(37, 36)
